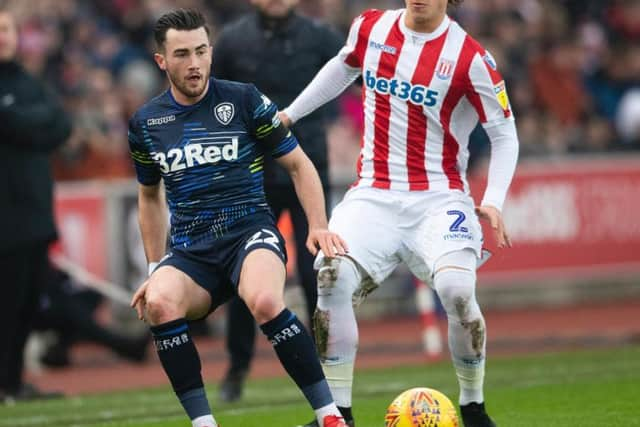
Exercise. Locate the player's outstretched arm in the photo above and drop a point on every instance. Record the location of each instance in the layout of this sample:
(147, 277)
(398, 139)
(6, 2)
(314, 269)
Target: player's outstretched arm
(330, 82)
(309, 190)
(152, 216)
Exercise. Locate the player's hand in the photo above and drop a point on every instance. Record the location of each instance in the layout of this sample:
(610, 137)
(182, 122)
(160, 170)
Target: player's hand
(139, 299)
(494, 217)
(285, 119)
(330, 243)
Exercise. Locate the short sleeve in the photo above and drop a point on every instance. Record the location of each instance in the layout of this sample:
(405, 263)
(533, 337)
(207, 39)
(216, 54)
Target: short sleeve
(487, 91)
(349, 53)
(355, 47)
(147, 171)
(266, 126)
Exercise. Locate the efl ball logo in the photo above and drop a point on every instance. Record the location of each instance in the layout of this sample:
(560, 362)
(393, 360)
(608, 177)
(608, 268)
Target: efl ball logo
(421, 407)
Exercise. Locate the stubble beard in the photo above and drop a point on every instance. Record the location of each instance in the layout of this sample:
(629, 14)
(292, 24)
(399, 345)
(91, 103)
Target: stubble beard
(184, 88)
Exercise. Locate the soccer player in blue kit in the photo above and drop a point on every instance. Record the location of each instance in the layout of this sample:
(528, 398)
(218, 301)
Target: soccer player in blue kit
(206, 140)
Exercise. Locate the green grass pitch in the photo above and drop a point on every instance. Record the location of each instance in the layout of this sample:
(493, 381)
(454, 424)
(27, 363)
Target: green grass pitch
(578, 389)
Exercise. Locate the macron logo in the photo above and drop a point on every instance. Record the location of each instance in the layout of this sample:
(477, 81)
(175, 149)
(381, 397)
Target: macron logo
(161, 120)
(382, 47)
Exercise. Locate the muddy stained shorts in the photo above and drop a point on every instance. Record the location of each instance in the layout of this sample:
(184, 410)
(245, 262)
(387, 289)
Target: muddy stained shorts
(383, 228)
(216, 266)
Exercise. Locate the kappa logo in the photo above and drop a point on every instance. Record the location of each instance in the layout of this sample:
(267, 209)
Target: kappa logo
(224, 112)
(265, 100)
(161, 120)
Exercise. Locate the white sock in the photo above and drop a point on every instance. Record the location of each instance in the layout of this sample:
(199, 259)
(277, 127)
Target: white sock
(467, 331)
(330, 409)
(335, 326)
(204, 421)
(340, 380)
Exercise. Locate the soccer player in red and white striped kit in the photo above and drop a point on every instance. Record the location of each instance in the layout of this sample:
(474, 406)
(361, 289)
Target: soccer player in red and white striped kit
(427, 83)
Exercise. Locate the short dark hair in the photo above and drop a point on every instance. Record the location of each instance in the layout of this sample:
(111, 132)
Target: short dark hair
(179, 19)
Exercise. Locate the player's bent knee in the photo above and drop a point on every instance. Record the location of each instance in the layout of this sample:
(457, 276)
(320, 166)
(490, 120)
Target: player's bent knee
(455, 281)
(338, 278)
(265, 306)
(161, 306)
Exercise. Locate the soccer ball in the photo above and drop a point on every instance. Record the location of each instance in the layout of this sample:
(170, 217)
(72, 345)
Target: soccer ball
(421, 407)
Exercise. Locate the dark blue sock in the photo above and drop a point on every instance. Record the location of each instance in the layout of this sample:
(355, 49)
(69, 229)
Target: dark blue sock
(297, 353)
(181, 362)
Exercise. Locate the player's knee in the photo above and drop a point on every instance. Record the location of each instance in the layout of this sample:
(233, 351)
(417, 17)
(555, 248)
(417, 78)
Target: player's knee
(338, 278)
(161, 306)
(265, 306)
(456, 289)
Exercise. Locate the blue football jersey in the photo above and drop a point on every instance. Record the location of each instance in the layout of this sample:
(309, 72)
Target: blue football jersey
(210, 156)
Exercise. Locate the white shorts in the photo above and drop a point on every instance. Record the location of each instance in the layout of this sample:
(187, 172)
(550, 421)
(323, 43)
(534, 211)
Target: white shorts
(383, 228)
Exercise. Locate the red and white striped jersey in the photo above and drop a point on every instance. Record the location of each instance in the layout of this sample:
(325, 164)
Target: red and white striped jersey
(423, 94)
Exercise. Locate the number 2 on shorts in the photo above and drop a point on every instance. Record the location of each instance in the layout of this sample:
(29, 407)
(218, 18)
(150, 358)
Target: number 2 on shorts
(455, 227)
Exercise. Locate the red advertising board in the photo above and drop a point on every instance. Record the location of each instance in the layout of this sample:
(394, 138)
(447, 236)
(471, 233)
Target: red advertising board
(568, 219)
(80, 218)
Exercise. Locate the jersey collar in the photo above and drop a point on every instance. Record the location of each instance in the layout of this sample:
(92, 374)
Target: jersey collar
(417, 37)
(189, 107)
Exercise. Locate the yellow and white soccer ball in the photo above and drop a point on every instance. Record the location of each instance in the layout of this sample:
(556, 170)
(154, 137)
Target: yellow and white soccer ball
(421, 407)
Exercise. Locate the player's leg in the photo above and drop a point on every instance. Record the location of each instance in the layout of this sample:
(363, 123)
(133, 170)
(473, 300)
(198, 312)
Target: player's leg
(445, 247)
(343, 280)
(336, 328)
(261, 286)
(171, 299)
(241, 326)
(455, 280)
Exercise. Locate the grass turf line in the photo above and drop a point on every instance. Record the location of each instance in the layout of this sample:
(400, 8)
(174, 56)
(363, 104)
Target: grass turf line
(582, 388)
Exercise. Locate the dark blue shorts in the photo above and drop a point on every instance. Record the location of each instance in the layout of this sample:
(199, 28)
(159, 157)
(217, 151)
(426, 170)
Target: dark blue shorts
(216, 266)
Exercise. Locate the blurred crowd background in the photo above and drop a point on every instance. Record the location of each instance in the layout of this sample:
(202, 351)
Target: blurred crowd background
(572, 68)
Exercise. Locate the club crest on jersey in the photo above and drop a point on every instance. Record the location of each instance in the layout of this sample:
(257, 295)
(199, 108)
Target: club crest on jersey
(224, 112)
(444, 70)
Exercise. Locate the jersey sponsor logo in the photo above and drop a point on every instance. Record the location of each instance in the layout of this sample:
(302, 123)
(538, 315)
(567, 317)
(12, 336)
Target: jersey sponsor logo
(490, 61)
(265, 236)
(383, 47)
(161, 120)
(444, 70)
(177, 159)
(224, 112)
(416, 94)
(501, 95)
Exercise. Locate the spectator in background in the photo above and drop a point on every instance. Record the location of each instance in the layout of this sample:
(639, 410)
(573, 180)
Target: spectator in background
(33, 124)
(279, 51)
